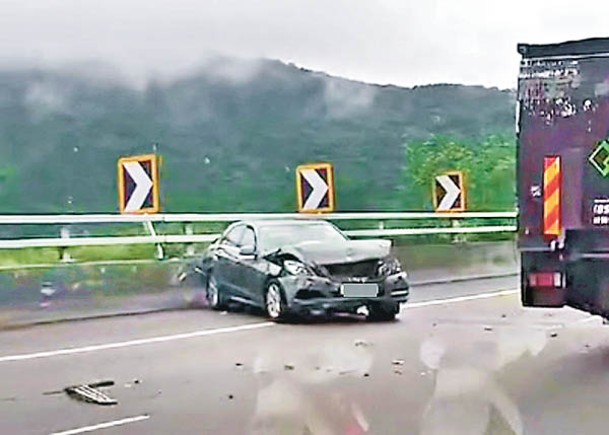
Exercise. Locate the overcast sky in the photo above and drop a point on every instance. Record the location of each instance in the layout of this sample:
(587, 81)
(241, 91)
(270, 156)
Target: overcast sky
(401, 42)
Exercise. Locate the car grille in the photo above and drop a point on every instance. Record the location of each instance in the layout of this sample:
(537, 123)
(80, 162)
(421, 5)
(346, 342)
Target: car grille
(346, 272)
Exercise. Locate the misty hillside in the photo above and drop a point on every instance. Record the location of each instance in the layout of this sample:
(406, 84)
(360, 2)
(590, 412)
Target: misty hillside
(230, 135)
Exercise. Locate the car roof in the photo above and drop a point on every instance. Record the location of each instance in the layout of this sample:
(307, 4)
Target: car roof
(281, 222)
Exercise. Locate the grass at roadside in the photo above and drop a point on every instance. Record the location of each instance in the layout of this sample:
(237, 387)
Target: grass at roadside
(38, 256)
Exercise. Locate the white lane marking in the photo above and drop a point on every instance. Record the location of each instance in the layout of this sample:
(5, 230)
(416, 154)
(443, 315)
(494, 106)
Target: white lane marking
(207, 332)
(103, 425)
(161, 339)
(460, 299)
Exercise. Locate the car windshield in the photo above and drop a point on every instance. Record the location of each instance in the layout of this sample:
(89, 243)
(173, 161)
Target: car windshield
(275, 236)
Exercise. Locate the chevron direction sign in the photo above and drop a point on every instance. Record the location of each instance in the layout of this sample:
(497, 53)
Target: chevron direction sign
(315, 188)
(449, 192)
(139, 184)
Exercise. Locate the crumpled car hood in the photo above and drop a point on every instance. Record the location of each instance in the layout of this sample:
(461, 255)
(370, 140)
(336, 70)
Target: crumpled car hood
(351, 251)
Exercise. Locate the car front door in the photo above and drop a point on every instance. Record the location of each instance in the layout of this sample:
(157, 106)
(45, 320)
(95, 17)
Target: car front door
(251, 274)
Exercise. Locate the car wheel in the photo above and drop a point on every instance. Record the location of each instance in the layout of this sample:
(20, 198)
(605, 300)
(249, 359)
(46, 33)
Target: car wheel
(383, 313)
(215, 296)
(274, 301)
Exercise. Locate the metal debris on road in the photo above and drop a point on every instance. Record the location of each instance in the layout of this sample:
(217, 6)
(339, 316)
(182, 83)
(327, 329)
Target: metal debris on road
(88, 393)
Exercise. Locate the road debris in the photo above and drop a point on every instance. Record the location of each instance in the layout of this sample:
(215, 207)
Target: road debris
(554, 334)
(231, 397)
(361, 343)
(366, 375)
(398, 362)
(488, 328)
(288, 367)
(89, 394)
(398, 372)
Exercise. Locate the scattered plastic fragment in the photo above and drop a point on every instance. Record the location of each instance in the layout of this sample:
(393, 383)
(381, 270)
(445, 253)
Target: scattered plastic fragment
(361, 343)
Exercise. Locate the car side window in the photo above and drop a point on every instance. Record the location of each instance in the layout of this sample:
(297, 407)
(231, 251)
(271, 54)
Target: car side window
(249, 237)
(233, 237)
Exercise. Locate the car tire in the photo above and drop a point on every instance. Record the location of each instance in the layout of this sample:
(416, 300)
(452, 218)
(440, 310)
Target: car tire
(214, 293)
(274, 302)
(383, 313)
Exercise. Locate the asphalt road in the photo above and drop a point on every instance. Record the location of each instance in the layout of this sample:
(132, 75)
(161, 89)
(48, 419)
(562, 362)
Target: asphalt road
(463, 358)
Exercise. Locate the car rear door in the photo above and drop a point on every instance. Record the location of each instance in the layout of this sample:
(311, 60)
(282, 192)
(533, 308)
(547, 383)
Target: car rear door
(252, 269)
(227, 254)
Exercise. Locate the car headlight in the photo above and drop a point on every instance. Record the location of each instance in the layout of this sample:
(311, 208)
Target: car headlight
(388, 266)
(295, 267)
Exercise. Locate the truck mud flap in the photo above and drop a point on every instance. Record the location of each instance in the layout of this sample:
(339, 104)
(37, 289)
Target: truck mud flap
(589, 286)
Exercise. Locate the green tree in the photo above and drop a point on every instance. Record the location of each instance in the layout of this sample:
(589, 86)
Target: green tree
(488, 167)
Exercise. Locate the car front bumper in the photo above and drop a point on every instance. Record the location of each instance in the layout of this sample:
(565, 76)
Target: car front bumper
(312, 293)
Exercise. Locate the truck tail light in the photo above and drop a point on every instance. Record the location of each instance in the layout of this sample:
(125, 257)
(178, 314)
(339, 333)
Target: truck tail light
(551, 196)
(546, 279)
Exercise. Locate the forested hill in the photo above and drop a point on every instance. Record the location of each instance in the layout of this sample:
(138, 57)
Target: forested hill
(230, 134)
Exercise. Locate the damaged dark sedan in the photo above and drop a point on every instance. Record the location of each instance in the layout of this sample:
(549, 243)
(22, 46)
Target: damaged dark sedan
(302, 268)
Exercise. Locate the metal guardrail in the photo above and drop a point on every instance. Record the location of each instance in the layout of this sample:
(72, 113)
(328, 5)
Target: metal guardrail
(232, 217)
(66, 241)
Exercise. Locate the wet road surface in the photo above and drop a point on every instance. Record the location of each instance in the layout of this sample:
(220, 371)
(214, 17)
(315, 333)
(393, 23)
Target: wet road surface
(463, 358)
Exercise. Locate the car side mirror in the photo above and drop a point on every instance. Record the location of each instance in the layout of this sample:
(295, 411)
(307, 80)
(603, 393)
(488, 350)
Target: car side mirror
(248, 251)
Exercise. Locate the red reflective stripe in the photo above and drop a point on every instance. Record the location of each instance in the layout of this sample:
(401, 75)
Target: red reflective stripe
(551, 193)
(553, 219)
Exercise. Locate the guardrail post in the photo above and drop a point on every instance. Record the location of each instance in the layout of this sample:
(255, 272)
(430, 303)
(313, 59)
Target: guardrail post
(190, 248)
(64, 255)
(160, 253)
(457, 238)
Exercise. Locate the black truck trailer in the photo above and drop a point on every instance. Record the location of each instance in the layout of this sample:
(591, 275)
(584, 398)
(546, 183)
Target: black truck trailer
(563, 174)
